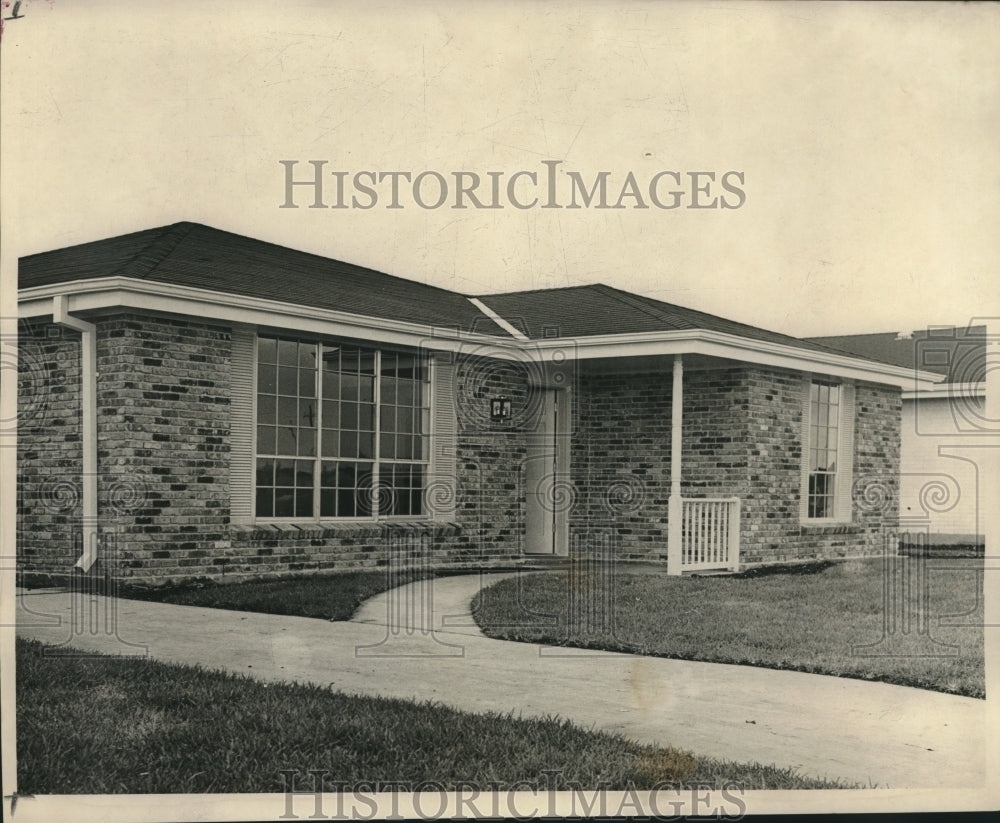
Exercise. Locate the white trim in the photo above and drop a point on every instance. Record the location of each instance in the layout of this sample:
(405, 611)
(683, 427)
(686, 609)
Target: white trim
(115, 292)
(88, 425)
(734, 347)
(946, 391)
(675, 504)
(496, 318)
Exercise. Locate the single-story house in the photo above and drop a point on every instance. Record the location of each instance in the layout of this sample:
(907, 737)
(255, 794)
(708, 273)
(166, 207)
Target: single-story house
(197, 404)
(939, 483)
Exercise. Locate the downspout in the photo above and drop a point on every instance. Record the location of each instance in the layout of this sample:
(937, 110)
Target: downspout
(88, 423)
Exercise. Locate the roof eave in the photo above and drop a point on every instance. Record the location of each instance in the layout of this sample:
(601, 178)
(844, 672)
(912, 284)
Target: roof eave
(129, 293)
(123, 292)
(734, 347)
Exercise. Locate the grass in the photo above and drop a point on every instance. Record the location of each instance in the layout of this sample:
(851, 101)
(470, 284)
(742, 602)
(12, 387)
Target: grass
(811, 619)
(96, 725)
(329, 597)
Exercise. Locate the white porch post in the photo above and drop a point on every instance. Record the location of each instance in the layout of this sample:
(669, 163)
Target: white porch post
(674, 508)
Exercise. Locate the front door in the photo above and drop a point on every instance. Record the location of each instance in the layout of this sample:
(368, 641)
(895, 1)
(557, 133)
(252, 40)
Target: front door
(546, 477)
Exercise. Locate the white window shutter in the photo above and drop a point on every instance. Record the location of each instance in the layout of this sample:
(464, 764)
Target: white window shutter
(804, 483)
(845, 454)
(241, 432)
(442, 485)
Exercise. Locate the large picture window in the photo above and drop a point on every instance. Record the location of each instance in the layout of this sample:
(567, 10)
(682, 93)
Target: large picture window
(342, 431)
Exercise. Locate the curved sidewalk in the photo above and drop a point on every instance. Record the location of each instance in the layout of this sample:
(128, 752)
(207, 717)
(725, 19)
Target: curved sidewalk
(420, 642)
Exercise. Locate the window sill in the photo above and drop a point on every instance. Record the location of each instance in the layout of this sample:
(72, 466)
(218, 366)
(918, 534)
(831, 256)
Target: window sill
(828, 526)
(356, 528)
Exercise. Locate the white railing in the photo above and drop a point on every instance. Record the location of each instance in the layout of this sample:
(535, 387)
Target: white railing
(710, 533)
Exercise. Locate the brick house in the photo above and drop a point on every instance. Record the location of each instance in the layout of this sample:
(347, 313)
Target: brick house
(939, 484)
(196, 404)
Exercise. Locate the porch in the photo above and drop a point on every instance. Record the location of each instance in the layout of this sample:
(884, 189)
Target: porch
(596, 440)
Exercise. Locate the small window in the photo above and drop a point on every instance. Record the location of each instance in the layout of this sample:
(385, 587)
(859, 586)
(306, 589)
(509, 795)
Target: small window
(827, 451)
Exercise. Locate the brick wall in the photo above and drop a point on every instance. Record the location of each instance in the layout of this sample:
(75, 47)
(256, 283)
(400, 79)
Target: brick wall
(741, 437)
(49, 451)
(163, 457)
(163, 451)
(163, 445)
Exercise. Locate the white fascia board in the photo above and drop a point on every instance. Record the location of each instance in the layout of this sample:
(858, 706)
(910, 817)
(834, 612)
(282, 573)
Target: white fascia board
(124, 292)
(733, 347)
(128, 293)
(946, 391)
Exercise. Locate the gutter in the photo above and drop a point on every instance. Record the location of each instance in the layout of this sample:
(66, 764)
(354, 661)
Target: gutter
(88, 424)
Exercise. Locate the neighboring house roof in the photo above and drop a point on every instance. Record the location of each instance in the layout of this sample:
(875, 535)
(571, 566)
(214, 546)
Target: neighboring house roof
(957, 352)
(189, 254)
(583, 311)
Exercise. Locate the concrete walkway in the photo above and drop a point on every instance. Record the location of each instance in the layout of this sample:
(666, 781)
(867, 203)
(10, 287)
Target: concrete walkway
(420, 642)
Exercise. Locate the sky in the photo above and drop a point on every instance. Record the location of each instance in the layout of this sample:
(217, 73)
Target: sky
(865, 136)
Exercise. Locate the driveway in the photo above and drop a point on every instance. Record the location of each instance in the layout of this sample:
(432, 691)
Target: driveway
(420, 642)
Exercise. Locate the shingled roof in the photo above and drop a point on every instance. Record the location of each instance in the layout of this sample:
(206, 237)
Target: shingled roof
(958, 352)
(598, 309)
(197, 256)
(190, 254)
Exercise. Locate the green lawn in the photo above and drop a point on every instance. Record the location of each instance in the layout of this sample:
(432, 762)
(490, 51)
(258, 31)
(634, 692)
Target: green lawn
(95, 725)
(814, 619)
(328, 596)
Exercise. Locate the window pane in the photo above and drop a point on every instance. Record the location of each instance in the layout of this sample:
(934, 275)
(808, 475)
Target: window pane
(331, 414)
(349, 415)
(348, 444)
(266, 404)
(265, 439)
(388, 390)
(366, 417)
(307, 412)
(349, 360)
(348, 387)
(307, 356)
(307, 383)
(267, 379)
(331, 385)
(288, 380)
(366, 445)
(366, 389)
(388, 419)
(303, 503)
(406, 393)
(265, 472)
(265, 503)
(366, 362)
(284, 502)
(287, 353)
(327, 503)
(404, 420)
(330, 446)
(331, 357)
(284, 472)
(404, 447)
(267, 350)
(288, 411)
(286, 441)
(387, 445)
(307, 442)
